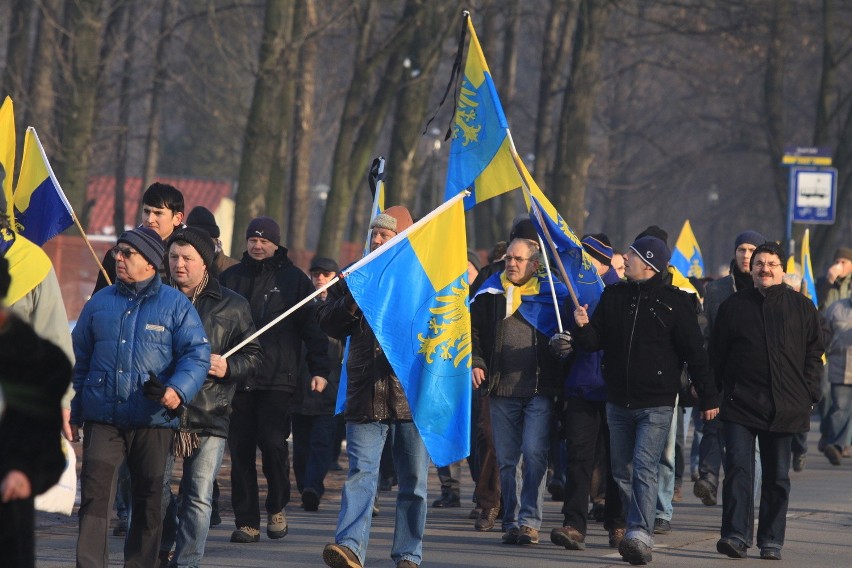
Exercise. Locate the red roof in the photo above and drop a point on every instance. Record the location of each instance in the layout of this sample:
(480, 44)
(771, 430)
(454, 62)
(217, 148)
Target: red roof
(101, 193)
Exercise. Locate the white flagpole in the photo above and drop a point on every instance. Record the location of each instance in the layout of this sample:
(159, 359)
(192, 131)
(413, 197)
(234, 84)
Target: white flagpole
(552, 288)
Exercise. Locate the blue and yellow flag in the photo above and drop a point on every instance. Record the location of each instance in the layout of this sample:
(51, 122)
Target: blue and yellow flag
(808, 282)
(686, 256)
(581, 272)
(533, 301)
(41, 209)
(481, 151)
(7, 155)
(413, 291)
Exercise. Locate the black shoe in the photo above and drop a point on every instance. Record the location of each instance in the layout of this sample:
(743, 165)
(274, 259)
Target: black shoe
(832, 452)
(768, 553)
(447, 502)
(662, 526)
(598, 512)
(511, 536)
(731, 547)
(705, 491)
(634, 551)
(310, 500)
(245, 535)
(556, 490)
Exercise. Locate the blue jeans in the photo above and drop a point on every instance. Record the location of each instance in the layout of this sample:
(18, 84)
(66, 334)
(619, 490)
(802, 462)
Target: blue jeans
(521, 427)
(666, 472)
(738, 486)
(312, 450)
(839, 417)
(637, 439)
(364, 444)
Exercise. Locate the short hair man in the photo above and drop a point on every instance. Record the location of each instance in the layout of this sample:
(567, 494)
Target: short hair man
(135, 329)
(227, 322)
(711, 447)
(272, 284)
(767, 355)
(162, 212)
(647, 331)
(376, 408)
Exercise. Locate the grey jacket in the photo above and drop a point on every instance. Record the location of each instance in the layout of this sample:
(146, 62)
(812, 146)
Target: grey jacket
(837, 325)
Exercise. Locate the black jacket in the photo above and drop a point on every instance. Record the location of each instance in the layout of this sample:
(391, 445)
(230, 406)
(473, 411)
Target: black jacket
(312, 403)
(227, 322)
(272, 286)
(488, 314)
(373, 391)
(648, 330)
(767, 355)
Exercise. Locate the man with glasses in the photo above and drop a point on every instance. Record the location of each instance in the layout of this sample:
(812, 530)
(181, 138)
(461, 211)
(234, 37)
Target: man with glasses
(767, 355)
(141, 352)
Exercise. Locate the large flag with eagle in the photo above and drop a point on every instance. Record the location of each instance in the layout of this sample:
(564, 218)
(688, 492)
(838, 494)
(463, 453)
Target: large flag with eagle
(413, 291)
(686, 256)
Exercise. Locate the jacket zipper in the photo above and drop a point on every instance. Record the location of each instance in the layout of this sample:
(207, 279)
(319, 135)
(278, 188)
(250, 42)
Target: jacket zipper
(630, 343)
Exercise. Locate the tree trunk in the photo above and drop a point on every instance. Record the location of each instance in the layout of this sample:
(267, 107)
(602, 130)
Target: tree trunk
(573, 157)
(158, 87)
(508, 75)
(124, 117)
(261, 134)
(303, 125)
(773, 100)
(40, 112)
(86, 24)
(15, 74)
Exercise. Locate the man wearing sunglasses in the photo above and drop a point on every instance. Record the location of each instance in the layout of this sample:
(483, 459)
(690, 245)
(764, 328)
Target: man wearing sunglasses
(767, 354)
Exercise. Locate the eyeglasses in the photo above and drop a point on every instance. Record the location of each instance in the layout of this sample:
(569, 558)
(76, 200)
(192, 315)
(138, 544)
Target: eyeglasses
(770, 265)
(517, 259)
(125, 252)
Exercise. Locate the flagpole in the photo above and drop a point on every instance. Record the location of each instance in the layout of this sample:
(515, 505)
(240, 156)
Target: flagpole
(552, 287)
(68, 204)
(295, 307)
(562, 272)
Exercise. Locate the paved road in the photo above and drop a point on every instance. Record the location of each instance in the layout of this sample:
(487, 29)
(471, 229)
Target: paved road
(818, 533)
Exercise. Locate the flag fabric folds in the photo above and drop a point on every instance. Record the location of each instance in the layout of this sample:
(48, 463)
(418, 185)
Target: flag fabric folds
(7, 155)
(686, 256)
(413, 291)
(480, 152)
(535, 304)
(41, 209)
(808, 282)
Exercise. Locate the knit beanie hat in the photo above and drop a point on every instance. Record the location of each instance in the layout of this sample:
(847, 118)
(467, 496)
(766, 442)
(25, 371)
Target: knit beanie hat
(396, 219)
(654, 231)
(199, 239)
(653, 252)
(323, 264)
(147, 242)
(598, 247)
(843, 252)
(264, 228)
(749, 237)
(523, 228)
(202, 218)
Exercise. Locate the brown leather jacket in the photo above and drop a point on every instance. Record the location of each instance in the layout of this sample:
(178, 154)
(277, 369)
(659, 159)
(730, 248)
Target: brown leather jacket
(372, 392)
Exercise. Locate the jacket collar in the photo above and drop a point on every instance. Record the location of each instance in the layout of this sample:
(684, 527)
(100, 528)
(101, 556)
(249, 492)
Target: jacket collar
(213, 289)
(275, 262)
(130, 289)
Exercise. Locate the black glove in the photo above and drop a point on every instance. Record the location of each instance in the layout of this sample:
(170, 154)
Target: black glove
(153, 388)
(562, 344)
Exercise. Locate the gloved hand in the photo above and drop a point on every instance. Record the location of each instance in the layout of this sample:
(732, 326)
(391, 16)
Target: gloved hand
(562, 344)
(153, 388)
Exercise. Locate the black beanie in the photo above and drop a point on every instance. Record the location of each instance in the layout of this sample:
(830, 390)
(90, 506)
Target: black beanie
(654, 231)
(199, 240)
(264, 228)
(653, 251)
(598, 247)
(202, 218)
(523, 229)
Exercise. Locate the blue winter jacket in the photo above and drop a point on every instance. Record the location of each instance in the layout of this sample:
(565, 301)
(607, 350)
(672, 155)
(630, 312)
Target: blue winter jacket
(120, 336)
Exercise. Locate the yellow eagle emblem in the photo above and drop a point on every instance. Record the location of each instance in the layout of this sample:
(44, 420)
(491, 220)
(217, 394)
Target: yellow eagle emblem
(449, 328)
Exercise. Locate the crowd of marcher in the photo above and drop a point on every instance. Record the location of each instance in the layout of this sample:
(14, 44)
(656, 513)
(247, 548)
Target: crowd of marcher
(593, 411)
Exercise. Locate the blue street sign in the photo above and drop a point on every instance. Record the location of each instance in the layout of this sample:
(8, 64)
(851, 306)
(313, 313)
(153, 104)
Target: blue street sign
(814, 193)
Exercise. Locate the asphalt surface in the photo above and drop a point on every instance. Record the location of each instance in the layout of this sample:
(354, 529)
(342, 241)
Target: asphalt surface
(818, 532)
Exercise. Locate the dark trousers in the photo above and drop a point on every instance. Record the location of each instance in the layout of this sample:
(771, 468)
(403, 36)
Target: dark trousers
(738, 487)
(313, 439)
(260, 419)
(487, 491)
(585, 426)
(450, 477)
(104, 449)
(710, 451)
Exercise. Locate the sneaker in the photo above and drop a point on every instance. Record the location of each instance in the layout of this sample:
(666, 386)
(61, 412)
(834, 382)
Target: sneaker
(120, 528)
(528, 535)
(511, 536)
(677, 497)
(662, 526)
(770, 553)
(731, 547)
(276, 525)
(634, 551)
(832, 452)
(486, 519)
(569, 537)
(705, 491)
(310, 500)
(616, 536)
(337, 556)
(474, 513)
(799, 461)
(245, 535)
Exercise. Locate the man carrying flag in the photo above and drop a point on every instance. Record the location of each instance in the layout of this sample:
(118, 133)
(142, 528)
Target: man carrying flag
(376, 405)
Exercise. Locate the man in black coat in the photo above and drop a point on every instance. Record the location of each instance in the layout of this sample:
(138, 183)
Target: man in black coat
(767, 355)
(205, 420)
(272, 284)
